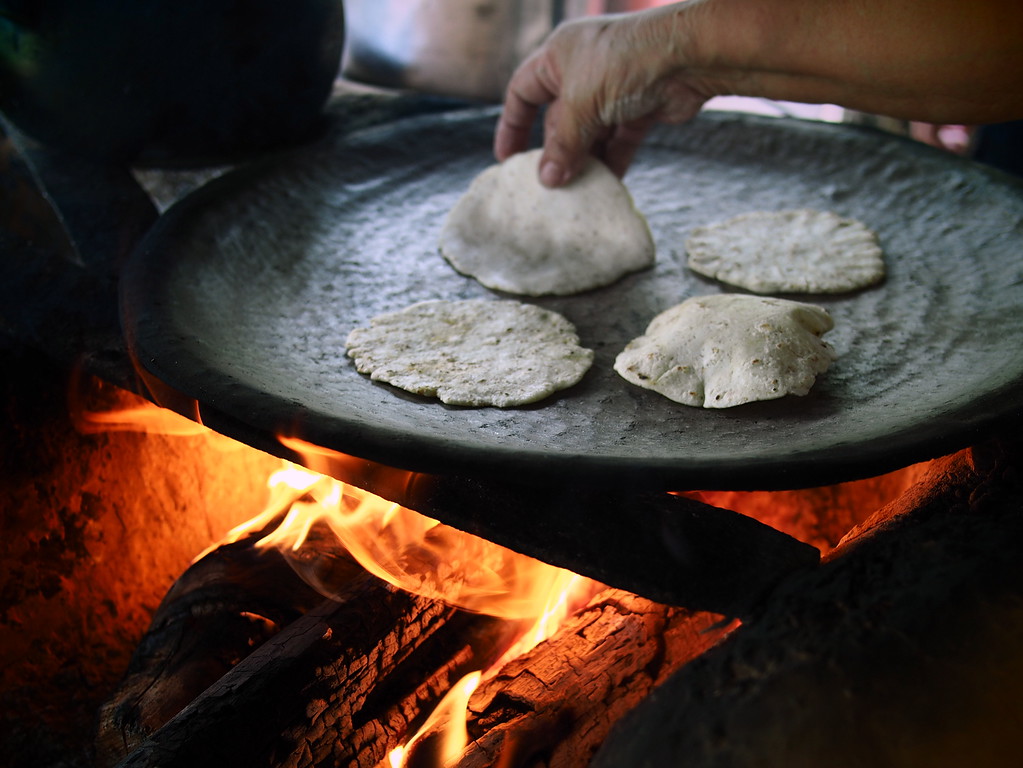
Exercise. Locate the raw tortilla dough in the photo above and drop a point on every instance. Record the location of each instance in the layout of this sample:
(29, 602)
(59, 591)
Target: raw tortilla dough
(474, 352)
(513, 234)
(794, 251)
(724, 350)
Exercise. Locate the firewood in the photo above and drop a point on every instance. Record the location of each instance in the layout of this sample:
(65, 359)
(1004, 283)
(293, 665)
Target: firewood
(339, 686)
(902, 650)
(222, 607)
(554, 705)
(685, 552)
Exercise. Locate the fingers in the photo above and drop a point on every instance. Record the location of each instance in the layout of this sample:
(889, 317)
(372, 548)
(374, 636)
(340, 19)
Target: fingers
(560, 162)
(581, 69)
(514, 126)
(620, 149)
(529, 89)
(566, 148)
(569, 143)
(538, 82)
(566, 145)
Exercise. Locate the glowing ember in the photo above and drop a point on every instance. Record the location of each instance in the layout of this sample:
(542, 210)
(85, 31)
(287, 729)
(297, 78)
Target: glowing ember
(819, 516)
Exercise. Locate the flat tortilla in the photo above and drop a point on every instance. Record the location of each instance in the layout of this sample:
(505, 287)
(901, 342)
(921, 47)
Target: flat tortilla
(792, 251)
(728, 349)
(512, 234)
(475, 352)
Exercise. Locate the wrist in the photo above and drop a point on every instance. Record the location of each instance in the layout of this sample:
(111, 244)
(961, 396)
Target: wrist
(690, 51)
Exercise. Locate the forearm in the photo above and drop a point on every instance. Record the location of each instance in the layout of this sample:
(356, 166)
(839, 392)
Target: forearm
(935, 60)
(605, 80)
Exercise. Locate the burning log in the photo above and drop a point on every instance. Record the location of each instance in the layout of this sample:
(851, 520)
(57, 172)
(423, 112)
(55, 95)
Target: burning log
(339, 686)
(554, 705)
(685, 553)
(226, 604)
(819, 516)
(903, 649)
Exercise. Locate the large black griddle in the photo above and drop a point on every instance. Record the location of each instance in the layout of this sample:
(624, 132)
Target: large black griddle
(242, 295)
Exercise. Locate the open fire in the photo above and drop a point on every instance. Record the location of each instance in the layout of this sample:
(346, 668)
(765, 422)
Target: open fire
(414, 552)
(902, 648)
(301, 652)
(308, 513)
(421, 556)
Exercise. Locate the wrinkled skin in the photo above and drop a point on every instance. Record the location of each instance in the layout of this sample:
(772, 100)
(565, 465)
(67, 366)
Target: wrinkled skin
(602, 96)
(607, 79)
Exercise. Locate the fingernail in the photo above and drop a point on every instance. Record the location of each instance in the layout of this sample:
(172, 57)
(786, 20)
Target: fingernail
(551, 174)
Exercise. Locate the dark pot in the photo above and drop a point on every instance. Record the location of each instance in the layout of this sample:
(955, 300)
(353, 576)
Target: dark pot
(168, 81)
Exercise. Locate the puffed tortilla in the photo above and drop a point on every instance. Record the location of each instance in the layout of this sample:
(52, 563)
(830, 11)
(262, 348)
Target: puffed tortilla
(475, 352)
(512, 234)
(791, 251)
(728, 349)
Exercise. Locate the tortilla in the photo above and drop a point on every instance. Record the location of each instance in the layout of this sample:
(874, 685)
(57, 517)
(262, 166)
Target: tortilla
(512, 234)
(475, 352)
(793, 251)
(728, 349)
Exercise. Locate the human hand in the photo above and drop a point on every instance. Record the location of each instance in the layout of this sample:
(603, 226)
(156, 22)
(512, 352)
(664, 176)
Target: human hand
(606, 80)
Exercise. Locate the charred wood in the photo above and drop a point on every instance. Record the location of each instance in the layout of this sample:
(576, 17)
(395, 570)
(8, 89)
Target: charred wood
(222, 607)
(554, 705)
(339, 686)
(686, 552)
(903, 649)
(820, 516)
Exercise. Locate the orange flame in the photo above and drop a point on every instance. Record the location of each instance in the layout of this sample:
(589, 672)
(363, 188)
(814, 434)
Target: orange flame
(409, 550)
(423, 556)
(117, 410)
(403, 547)
(445, 727)
(138, 418)
(96, 407)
